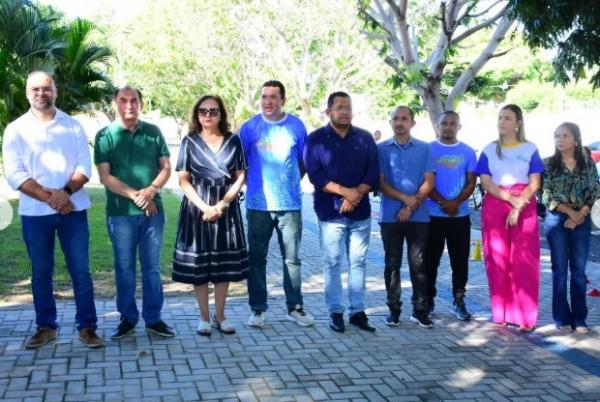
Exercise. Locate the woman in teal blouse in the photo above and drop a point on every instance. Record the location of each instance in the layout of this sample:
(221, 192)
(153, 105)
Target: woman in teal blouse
(570, 187)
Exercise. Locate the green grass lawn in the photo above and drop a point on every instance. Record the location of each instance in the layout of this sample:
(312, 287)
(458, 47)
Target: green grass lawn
(16, 268)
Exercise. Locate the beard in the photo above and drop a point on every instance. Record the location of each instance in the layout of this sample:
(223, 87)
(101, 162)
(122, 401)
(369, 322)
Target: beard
(339, 124)
(43, 105)
(401, 131)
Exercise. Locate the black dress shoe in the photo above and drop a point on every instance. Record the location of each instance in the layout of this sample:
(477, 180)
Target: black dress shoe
(361, 321)
(336, 322)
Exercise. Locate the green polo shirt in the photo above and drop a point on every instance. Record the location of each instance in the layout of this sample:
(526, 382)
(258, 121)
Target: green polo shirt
(133, 159)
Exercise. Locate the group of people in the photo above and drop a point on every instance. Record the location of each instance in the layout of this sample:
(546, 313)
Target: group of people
(424, 201)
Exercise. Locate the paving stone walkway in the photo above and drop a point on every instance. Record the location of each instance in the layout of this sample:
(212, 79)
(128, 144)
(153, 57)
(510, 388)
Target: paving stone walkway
(473, 361)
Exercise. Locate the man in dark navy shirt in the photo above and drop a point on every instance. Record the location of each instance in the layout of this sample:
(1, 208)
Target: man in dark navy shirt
(341, 162)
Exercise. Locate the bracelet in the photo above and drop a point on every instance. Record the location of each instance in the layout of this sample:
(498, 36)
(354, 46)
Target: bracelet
(408, 207)
(156, 188)
(67, 189)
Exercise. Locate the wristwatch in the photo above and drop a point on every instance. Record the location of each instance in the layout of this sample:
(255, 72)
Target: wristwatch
(67, 189)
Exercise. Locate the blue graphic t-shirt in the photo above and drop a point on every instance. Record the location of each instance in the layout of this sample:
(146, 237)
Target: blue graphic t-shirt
(452, 162)
(274, 152)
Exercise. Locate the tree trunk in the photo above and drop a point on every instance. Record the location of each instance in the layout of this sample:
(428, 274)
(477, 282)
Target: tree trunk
(433, 102)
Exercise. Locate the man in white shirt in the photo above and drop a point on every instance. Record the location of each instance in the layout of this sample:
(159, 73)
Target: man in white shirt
(46, 158)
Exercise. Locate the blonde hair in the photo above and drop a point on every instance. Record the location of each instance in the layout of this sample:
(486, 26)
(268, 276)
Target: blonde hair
(520, 131)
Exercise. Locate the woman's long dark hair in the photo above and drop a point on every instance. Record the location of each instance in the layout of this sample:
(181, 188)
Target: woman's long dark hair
(555, 162)
(194, 125)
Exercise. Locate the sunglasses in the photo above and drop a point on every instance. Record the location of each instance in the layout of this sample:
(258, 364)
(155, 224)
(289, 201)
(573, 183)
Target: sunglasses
(208, 112)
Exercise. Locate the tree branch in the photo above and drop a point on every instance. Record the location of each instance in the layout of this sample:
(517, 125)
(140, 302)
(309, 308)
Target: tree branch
(436, 61)
(468, 14)
(399, 13)
(449, 17)
(478, 27)
(470, 72)
(500, 54)
(385, 20)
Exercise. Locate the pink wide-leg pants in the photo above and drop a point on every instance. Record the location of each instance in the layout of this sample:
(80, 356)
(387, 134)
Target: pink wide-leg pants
(512, 259)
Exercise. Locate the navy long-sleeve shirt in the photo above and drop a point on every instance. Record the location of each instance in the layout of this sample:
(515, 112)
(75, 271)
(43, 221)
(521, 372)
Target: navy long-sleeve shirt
(347, 161)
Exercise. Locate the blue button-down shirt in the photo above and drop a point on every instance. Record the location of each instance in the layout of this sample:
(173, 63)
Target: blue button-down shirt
(403, 167)
(347, 161)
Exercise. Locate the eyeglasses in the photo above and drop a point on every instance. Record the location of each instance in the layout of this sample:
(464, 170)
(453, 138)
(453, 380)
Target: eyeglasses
(208, 112)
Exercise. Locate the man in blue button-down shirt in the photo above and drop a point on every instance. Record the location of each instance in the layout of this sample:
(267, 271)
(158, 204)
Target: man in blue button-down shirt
(406, 179)
(341, 162)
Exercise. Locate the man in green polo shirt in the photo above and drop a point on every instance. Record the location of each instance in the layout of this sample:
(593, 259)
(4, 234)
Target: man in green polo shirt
(133, 163)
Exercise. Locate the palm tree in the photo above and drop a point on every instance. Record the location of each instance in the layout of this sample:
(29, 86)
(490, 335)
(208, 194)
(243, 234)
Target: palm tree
(81, 69)
(33, 38)
(26, 43)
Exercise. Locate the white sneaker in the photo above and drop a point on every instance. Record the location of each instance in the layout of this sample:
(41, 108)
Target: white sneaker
(300, 317)
(257, 319)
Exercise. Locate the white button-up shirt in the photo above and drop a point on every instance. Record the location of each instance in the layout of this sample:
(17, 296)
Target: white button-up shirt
(49, 153)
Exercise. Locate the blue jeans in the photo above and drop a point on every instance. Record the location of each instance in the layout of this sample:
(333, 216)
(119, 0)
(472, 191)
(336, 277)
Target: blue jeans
(569, 252)
(339, 238)
(130, 234)
(39, 233)
(288, 225)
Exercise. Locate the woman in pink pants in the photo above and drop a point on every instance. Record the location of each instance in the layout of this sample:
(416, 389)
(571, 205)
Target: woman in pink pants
(510, 170)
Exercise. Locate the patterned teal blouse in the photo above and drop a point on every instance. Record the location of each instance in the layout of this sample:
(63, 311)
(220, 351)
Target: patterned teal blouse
(580, 187)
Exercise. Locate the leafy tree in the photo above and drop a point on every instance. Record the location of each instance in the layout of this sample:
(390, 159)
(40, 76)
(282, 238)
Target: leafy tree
(424, 42)
(177, 51)
(33, 37)
(572, 27)
(26, 43)
(80, 68)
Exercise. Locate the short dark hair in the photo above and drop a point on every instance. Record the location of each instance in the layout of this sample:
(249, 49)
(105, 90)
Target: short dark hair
(194, 125)
(278, 84)
(410, 111)
(450, 113)
(128, 88)
(337, 94)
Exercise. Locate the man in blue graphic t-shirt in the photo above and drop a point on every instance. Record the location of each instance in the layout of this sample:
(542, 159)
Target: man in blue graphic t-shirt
(449, 211)
(274, 142)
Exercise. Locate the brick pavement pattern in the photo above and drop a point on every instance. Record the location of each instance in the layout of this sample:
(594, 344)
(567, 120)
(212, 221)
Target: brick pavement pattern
(473, 361)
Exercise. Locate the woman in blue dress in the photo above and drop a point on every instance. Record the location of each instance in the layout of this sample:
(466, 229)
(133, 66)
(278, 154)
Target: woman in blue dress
(210, 245)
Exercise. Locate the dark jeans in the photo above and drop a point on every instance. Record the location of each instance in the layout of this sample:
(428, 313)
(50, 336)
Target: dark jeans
(39, 234)
(393, 236)
(456, 234)
(288, 225)
(569, 252)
